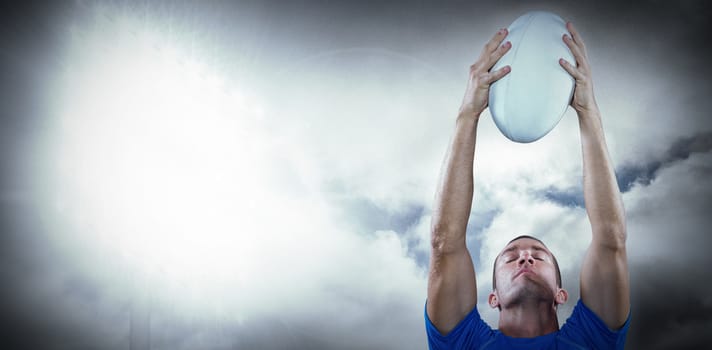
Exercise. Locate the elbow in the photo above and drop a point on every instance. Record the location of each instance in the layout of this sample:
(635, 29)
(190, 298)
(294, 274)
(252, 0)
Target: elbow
(613, 236)
(445, 240)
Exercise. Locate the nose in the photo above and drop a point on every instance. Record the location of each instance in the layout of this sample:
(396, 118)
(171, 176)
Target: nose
(525, 257)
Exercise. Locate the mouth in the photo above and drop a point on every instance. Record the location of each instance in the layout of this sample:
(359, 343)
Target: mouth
(523, 271)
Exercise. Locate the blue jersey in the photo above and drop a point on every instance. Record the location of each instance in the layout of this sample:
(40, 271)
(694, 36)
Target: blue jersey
(582, 330)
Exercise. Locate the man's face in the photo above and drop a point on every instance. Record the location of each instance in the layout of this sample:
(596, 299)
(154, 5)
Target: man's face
(525, 269)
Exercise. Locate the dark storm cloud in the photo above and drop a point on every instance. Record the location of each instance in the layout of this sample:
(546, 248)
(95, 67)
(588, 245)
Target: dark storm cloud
(570, 197)
(671, 310)
(44, 304)
(669, 255)
(629, 175)
(47, 300)
(28, 42)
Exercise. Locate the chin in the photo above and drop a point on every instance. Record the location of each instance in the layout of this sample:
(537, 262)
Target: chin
(530, 291)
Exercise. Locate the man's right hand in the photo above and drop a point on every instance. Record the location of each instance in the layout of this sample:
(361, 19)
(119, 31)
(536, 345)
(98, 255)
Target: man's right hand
(452, 284)
(477, 93)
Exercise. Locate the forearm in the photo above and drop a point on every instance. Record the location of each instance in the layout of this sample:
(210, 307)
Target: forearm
(453, 200)
(601, 193)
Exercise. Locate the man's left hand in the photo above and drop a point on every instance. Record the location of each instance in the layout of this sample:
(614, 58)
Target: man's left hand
(583, 100)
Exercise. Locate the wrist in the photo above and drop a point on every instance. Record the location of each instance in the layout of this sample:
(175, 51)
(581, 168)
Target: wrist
(589, 109)
(588, 112)
(467, 117)
(590, 121)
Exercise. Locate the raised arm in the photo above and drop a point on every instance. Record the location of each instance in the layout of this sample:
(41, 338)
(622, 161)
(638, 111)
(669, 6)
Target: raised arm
(604, 275)
(452, 291)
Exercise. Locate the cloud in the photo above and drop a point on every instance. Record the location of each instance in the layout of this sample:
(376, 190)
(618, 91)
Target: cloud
(630, 175)
(295, 261)
(357, 108)
(668, 240)
(681, 149)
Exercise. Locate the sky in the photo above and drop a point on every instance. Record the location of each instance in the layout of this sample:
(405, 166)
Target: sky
(261, 175)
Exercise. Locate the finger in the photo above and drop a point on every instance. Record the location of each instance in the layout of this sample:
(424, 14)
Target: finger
(498, 54)
(491, 77)
(494, 43)
(573, 71)
(576, 36)
(575, 50)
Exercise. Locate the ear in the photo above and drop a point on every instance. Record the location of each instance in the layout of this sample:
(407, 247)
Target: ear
(493, 301)
(561, 296)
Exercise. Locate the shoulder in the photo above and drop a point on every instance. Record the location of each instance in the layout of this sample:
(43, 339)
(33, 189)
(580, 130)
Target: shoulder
(584, 328)
(471, 333)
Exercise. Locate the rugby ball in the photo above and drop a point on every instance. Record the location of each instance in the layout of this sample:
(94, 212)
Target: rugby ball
(528, 102)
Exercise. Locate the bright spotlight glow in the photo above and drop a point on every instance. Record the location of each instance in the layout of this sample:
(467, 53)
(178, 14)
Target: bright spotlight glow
(160, 160)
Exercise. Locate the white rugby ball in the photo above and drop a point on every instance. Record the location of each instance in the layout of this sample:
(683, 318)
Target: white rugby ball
(528, 102)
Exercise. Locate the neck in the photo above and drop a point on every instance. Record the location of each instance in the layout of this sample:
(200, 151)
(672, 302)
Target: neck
(527, 320)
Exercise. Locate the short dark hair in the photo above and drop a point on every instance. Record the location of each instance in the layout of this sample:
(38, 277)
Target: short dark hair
(556, 264)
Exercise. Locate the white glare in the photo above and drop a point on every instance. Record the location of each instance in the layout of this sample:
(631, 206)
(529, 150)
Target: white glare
(160, 161)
